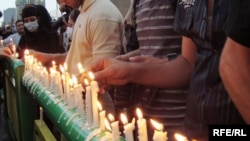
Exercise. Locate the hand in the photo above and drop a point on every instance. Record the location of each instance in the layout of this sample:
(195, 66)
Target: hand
(147, 59)
(110, 71)
(5, 52)
(124, 57)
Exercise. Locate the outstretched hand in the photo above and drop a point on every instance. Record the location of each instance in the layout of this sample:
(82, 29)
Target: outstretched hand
(110, 71)
(5, 52)
(147, 59)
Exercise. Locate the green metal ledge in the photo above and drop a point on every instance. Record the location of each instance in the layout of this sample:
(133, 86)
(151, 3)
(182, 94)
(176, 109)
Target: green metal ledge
(73, 126)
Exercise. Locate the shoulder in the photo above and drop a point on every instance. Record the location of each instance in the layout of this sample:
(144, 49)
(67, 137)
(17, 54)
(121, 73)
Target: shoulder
(104, 9)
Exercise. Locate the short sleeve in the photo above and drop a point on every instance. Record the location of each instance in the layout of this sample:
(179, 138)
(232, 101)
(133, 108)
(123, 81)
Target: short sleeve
(238, 23)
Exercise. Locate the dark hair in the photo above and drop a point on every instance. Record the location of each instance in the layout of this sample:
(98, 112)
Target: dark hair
(74, 14)
(44, 19)
(17, 21)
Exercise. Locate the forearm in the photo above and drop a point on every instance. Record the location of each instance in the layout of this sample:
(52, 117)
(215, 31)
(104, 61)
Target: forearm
(47, 58)
(172, 74)
(234, 70)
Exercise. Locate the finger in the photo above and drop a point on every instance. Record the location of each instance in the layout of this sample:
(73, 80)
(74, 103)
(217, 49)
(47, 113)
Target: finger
(138, 58)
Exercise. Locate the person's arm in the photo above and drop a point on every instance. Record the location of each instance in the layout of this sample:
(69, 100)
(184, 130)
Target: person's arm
(5, 52)
(125, 57)
(171, 74)
(235, 74)
(47, 58)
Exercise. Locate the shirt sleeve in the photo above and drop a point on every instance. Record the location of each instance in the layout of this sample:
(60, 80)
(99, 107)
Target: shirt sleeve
(238, 23)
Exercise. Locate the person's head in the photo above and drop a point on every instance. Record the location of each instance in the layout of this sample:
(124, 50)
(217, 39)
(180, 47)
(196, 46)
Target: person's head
(35, 17)
(19, 26)
(72, 3)
(8, 29)
(72, 17)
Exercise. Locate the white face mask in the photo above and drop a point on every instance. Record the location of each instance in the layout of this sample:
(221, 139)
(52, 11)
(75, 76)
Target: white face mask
(31, 26)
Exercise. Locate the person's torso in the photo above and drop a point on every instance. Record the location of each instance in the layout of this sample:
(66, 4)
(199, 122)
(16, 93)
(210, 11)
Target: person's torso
(208, 101)
(88, 40)
(154, 27)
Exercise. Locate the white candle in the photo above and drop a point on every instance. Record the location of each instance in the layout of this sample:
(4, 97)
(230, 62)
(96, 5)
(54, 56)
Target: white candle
(58, 81)
(128, 128)
(94, 95)
(26, 59)
(41, 114)
(115, 128)
(101, 116)
(88, 102)
(71, 95)
(142, 126)
(67, 79)
(159, 135)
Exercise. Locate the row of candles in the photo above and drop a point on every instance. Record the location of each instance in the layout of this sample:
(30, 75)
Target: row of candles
(70, 90)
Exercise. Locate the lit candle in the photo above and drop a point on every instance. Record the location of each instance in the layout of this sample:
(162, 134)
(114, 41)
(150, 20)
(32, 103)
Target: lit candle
(94, 93)
(88, 101)
(101, 116)
(1, 43)
(41, 115)
(159, 135)
(180, 137)
(107, 124)
(14, 50)
(67, 78)
(80, 68)
(26, 59)
(128, 127)
(142, 126)
(114, 127)
(46, 77)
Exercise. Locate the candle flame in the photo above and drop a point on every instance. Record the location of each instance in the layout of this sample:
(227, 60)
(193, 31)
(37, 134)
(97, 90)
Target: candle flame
(65, 67)
(74, 80)
(124, 118)
(180, 137)
(81, 70)
(53, 63)
(86, 81)
(106, 122)
(139, 113)
(99, 105)
(111, 117)
(26, 52)
(157, 125)
(91, 75)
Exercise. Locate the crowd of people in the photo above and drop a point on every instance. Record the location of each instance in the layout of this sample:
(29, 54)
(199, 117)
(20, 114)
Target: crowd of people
(183, 62)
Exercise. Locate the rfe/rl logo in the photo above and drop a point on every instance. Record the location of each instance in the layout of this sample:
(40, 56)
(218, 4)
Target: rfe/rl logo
(229, 132)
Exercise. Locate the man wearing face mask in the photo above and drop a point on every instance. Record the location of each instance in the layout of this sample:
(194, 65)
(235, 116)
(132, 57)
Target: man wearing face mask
(39, 35)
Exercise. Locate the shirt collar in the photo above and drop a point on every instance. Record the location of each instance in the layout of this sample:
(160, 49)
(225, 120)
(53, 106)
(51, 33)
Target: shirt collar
(86, 4)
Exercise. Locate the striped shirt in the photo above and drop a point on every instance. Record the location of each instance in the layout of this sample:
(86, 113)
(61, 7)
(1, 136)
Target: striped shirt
(207, 100)
(156, 36)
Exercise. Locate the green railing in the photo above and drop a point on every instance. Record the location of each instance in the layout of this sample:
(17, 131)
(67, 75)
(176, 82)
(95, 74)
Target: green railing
(23, 100)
